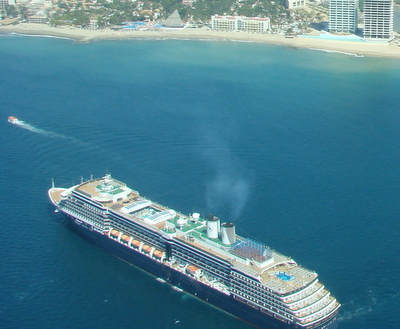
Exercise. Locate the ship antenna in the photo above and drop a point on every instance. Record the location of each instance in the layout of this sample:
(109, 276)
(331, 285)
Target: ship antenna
(52, 183)
(81, 179)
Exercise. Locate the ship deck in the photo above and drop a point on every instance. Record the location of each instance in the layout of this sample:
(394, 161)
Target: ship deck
(280, 273)
(55, 194)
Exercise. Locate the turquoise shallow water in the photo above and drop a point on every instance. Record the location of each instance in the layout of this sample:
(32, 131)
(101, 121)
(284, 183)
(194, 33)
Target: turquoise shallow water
(299, 148)
(352, 38)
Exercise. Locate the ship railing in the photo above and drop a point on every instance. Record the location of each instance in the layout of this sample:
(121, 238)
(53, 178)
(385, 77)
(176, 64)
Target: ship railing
(302, 273)
(312, 311)
(311, 304)
(326, 313)
(243, 268)
(310, 290)
(325, 319)
(317, 294)
(316, 312)
(205, 278)
(79, 216)
(307, 301)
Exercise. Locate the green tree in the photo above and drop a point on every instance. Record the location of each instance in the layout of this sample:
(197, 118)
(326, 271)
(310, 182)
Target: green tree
(170, 6)
(23, 11)
(11, 10)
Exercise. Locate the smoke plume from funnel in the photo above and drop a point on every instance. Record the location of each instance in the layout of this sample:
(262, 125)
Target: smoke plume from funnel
(227, 192)
(228, 188)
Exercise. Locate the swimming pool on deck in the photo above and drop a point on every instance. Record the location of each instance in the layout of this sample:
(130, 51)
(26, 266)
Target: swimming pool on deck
(284, 276)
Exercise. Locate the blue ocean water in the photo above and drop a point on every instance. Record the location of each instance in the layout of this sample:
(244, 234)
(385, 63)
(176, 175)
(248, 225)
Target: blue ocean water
(299, 148)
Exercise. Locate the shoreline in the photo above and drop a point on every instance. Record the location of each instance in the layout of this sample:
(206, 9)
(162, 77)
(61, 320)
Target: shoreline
(356, 48)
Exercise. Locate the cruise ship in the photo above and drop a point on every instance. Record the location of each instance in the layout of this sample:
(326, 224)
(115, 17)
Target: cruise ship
(200, 256)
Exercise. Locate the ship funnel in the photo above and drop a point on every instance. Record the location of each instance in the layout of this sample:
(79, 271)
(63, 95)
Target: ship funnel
(212, 227)
(228, 235)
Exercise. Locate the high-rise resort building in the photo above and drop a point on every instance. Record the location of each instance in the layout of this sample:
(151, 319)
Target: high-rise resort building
(4, 3)
(343, 16)
(240, 23)
(378, 19)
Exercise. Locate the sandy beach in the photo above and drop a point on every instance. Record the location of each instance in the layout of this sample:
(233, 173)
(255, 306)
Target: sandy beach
(391, 50)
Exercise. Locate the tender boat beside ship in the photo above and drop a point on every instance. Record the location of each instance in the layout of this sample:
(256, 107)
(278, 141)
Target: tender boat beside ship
(12, 120)
(198, 255)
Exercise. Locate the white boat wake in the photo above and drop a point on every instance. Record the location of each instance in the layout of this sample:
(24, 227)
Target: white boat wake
(27, 126)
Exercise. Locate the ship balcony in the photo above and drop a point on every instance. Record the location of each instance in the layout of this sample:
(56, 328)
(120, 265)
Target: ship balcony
(311, 304)
(309, 291)
(316, 311)
(82, 217)
(311, 299)
(327, 312)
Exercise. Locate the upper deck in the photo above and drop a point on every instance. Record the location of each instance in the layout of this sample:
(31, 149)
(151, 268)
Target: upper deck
(55, 194)
(107, 191)
(272, 269)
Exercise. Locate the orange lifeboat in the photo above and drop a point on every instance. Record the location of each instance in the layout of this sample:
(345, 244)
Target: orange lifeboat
(158, 254)
(135, 243)
(146, 248)
(191, 269)
(115, 233)
(125, 238)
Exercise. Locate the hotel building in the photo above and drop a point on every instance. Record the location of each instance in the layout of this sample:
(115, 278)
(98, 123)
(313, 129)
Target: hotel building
(240, 23)
(343, 16)
(378, 19)
(4, 3)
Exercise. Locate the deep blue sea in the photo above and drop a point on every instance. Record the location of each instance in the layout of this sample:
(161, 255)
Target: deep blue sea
(300, 148)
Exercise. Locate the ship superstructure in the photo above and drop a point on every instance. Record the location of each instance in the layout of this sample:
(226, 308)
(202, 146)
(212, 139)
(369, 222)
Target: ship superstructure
(199, 255)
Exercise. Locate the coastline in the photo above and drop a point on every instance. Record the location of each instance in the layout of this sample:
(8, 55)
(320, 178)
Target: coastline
(389, 50)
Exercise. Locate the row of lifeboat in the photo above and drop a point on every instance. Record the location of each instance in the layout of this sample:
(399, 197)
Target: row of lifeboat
(190, 269)
(135, 243)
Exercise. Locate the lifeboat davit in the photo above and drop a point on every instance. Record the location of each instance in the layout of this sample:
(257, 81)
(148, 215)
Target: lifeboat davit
(12, 119)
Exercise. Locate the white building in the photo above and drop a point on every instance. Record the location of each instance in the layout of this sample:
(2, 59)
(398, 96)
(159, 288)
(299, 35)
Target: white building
(240, 23)
(378, 19)
(294, 4)
(343, 16)
(38, 19)
(93, 24)
(4, 3)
